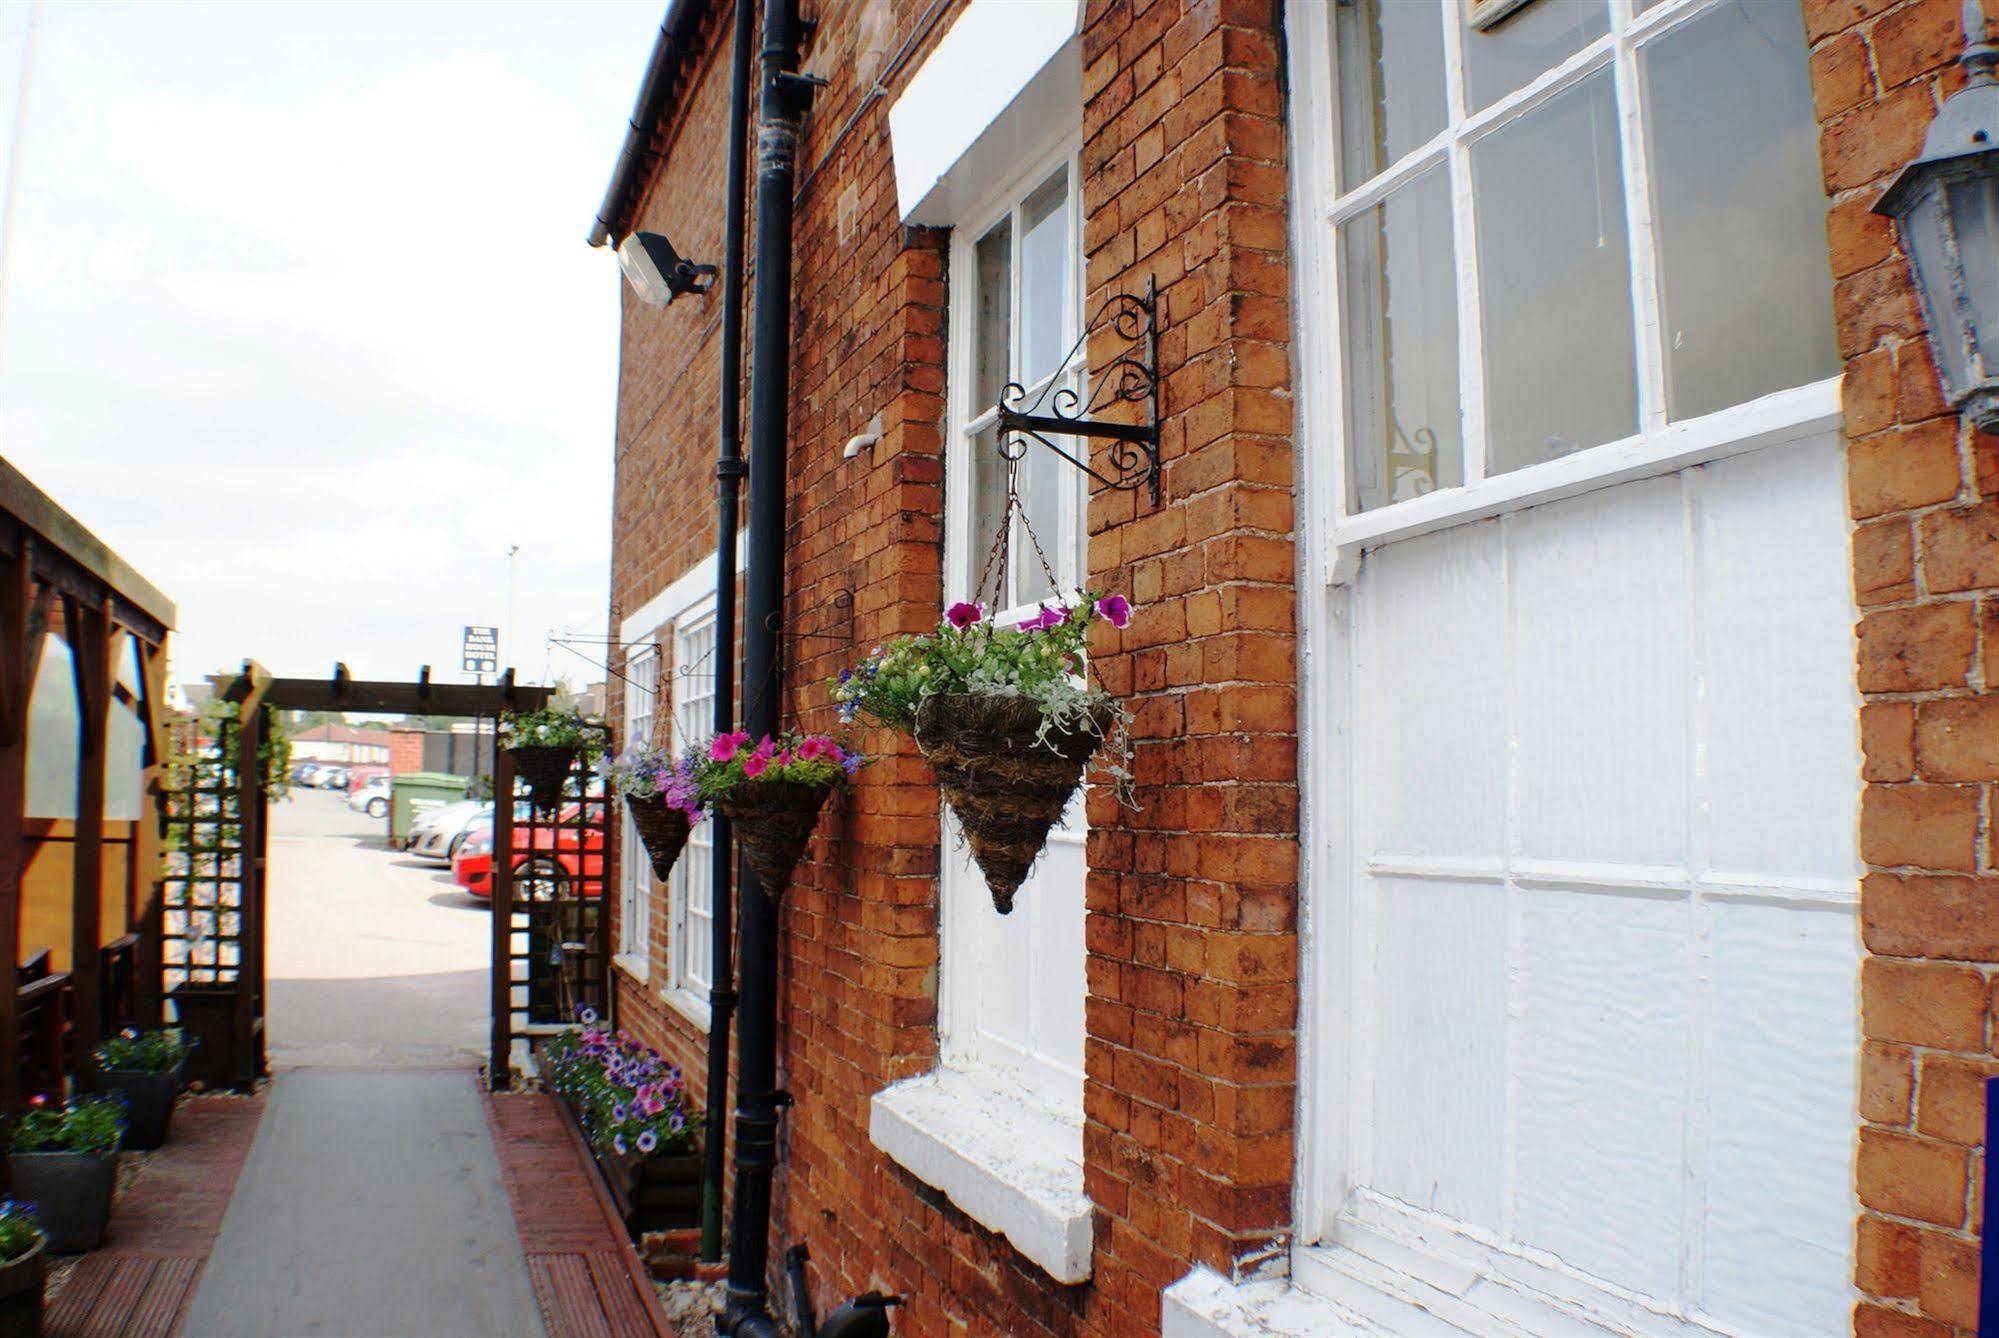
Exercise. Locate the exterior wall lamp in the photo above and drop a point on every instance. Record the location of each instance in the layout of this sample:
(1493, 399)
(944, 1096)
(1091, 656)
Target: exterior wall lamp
(1946, 207)
(657, 272)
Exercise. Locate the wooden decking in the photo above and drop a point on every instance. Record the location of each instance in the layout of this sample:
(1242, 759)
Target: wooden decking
(162, 1229)
(587, 1278)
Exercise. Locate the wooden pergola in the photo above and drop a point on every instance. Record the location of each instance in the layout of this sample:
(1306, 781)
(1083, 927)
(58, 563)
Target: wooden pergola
(71, 871)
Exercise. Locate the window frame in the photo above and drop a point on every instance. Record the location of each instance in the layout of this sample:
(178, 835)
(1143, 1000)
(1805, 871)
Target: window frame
(691, 717)
(960, 1042)
(1325, 202)
(635, 882)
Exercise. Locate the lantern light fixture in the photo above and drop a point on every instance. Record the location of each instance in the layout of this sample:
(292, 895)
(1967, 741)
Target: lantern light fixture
(657, 272)
(1946, 208)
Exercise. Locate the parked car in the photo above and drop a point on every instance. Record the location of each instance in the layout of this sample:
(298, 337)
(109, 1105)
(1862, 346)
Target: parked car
(305, 775)
(436, 832)
(549, 859)
(330, 776)
(365, 774)
(371, 798)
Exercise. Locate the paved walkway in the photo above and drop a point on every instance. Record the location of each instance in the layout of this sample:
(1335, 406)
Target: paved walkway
(372, 1206)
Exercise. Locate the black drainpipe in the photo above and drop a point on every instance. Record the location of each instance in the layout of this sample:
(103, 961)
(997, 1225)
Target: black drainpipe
(783, 98)
(729, 471)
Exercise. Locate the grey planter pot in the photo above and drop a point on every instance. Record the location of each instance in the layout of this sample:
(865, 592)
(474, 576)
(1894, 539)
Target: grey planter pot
(71, 1192)
(149, 1102)
(21, 1293)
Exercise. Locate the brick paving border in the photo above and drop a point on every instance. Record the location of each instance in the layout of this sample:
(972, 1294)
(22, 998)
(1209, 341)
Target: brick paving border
(162, 1229)
(587, 1277)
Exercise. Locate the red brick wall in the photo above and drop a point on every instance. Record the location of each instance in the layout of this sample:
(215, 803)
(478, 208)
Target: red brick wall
(1192, 899)
(405, 751)
(1926, 566)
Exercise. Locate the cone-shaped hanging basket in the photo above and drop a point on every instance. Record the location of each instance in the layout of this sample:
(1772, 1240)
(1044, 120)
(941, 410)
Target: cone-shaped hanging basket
(662, 827)
(1007, 784)
(543, 768)
(772, 822)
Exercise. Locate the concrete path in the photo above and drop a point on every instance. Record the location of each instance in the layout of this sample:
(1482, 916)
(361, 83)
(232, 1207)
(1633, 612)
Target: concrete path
(372, 1206)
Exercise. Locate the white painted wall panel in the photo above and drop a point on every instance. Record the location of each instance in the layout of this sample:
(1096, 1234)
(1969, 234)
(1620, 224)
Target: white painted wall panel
(1599, 588)
(1434, 719)
(1603, 1066)
(1779, 1200)
(1781, 709)
(1440, 1053)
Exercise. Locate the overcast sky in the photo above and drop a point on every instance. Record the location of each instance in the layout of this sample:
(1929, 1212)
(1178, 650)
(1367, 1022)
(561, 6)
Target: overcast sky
(300, 318)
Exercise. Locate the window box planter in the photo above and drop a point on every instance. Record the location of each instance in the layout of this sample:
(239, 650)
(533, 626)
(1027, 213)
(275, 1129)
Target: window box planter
(149, 1101)
(72, 1194)
(21, 1282)
(656, 1192)
(207, 1016)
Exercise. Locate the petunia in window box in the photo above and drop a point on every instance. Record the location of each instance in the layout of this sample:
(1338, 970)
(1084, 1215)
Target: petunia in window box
(23, 1269)
(143, 1068)
(663, 796)
(64, 1160)
(545, 746)
(1005, 718)
(772, 791)
(631, 1107)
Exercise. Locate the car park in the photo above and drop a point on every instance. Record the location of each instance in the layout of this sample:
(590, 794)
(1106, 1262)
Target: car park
(371, 798)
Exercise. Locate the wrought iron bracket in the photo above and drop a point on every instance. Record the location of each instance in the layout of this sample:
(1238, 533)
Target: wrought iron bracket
(1130, 378)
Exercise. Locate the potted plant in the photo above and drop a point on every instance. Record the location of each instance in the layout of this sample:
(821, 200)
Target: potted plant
(145, 1068)
(1005, 718)
(23, 1267)
(64, 1160)
(773, 791)
(632, 1108)
(545, 745)
(662, 797)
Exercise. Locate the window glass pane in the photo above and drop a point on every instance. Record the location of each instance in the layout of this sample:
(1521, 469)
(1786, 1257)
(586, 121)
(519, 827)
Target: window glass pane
(1391, 81)
(1525, 44)
(1554, 279)
(994, 317)
(1045, 268)
(55, 743)
(1042, 475)
(1746, 296)
(1400, 300)
(988, 504)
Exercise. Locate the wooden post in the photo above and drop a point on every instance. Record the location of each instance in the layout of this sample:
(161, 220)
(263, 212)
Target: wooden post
(148, 838)
(249, 926)
(89, 633)
(499, 1071)
(24, 616)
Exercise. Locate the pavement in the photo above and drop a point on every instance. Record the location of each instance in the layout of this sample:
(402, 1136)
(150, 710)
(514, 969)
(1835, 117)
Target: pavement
(372, 1204)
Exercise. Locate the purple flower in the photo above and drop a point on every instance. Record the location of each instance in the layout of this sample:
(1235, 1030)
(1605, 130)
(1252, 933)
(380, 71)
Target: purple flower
(1116, 610)
(618, 1144)
(648, 1140)
(618, 1113)
(963, 614)
(676, 1122)
(1047, 618)
(852, 764)
(587, 1016)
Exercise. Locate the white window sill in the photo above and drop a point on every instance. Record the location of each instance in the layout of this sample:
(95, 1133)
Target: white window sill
(1204, 1304)
(690, 1005)
(633, 965)
(1009, 1164)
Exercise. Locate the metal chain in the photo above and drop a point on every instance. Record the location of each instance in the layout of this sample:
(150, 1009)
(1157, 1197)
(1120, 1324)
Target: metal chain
(998, 559)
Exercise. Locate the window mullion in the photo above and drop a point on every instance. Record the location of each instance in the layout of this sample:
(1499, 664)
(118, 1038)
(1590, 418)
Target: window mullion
(1464, 247)
(1648, 322)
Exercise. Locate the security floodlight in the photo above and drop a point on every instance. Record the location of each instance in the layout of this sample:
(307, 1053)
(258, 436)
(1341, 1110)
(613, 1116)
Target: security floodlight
(657, 272)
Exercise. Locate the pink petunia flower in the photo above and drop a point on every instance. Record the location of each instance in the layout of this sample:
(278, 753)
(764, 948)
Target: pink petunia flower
(964, 613)
(816, 746)
(755, 765)
(726, 746)
(1116, 610)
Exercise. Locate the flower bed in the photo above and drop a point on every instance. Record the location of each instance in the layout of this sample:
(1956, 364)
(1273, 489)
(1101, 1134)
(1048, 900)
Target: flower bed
(631, 1107)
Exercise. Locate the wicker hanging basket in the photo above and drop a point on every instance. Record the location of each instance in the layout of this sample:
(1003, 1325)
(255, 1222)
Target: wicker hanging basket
(772, 822)
(1007, 784)
(544, 768)
(662, 827)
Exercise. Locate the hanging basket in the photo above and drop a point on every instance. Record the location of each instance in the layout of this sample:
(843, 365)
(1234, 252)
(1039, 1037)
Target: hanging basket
(772, 822)
(1007, 784)
(544, 768)
(662, 827)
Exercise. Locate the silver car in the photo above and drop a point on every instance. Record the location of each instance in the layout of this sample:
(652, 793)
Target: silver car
(435, 833)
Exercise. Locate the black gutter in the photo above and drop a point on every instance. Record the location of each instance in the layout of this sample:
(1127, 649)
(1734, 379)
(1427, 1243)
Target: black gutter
(729, 472)
(675, 42)
(758, 1100)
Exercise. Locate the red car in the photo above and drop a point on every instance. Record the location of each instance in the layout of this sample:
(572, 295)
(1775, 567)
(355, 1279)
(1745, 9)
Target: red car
(548, 859)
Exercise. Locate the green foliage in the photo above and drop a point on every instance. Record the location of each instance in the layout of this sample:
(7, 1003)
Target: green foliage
(554, 727)
(19, 1231)
(155, 1051)
(87, 1124)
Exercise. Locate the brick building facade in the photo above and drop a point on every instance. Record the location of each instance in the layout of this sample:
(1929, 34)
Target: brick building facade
(1198, 1107)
